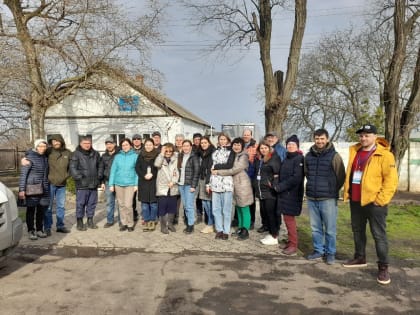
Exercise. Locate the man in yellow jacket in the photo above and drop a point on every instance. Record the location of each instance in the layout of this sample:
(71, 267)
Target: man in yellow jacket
(371, 181)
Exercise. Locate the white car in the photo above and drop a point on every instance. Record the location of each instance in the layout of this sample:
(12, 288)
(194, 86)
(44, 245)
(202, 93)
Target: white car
(10, 224)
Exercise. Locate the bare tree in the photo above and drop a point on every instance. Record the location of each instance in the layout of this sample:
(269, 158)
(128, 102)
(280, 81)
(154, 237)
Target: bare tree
(248, 22)
(400, 117)
(60, 45)
(335, 89)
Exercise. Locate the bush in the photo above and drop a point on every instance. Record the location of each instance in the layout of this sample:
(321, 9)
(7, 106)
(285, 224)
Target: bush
(71, 186)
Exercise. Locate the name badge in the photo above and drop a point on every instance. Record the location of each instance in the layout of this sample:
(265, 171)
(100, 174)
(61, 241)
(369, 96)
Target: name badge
(357, 177)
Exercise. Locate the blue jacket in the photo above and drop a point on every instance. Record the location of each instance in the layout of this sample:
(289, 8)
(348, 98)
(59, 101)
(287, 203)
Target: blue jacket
(123, 169)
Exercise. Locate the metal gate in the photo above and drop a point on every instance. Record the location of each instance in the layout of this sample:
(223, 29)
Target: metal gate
(8, 161)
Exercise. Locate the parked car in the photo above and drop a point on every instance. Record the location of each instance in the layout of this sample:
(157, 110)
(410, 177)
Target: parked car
(10, 224)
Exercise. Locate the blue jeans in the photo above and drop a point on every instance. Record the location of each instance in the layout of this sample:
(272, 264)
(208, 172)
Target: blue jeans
(209, 212)
(149, 211)
(222, 210)
(376, 216)
(188, 200)
(110, 205)
(59, 194)
(323, 217)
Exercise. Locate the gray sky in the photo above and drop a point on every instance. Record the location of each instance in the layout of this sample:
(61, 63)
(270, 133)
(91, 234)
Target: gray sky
(226, 91)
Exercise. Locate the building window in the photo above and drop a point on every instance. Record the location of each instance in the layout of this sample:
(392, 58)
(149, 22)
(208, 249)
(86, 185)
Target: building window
(146, 135)
(118, 137)
(128, 103)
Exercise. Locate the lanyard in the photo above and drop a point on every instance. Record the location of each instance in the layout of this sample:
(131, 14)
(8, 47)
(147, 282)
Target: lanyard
(360, 162)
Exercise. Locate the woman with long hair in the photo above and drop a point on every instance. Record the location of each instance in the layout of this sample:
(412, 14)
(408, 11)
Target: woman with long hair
(267, 169)
(207, 149)
(123, 180)
(222, 187)
(147, 172)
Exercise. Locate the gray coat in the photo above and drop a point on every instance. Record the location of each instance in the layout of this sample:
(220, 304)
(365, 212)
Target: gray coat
(242, 189)
(167, 172)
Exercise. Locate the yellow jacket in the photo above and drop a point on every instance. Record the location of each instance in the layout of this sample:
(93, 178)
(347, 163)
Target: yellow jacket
(380, 178)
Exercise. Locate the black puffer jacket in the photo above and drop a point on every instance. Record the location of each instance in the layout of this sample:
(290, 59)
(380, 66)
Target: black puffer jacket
(86, 169)
(192, 169)
(35, 173)
(290, 185)
(266, 176)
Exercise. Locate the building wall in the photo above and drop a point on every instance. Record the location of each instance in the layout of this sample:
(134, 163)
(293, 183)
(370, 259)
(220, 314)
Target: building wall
(102, 128)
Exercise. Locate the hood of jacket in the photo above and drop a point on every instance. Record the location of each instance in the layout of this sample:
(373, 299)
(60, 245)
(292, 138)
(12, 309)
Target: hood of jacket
(59, 138)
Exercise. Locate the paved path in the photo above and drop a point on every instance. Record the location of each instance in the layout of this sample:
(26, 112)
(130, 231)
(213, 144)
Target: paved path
(112, 239)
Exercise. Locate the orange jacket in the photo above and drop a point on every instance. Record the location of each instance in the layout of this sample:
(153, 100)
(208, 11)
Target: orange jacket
(379, 179)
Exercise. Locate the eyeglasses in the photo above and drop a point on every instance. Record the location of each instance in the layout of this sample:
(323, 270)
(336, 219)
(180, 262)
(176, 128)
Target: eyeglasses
(136, 138)
(169, 151)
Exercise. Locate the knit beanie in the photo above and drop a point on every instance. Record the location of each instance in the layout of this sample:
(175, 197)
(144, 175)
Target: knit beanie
(293, 138)
(37, 142)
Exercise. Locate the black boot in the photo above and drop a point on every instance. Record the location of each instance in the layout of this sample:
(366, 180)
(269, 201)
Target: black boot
(80, 226)
(164, 224)
(244, 235)
(189, 229)
(91, 224)
(171, 219)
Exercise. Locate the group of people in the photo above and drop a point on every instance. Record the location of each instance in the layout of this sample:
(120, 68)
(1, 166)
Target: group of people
(198, 180)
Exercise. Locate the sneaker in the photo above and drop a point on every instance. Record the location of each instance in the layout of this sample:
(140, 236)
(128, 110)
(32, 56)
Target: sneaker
(383, 275)
(61, 230)
(289, 251)
(48, 232)
(315, 256)
(123, 228)
(330, 259)
(130, 229)
(41, 234)
(108, 225)
(225, 237)
(269, 240)
(32, 236)
(208, 229)
(355, 263)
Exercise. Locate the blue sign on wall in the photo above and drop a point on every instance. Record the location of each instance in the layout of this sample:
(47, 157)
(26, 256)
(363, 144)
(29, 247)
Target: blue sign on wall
(128, 103)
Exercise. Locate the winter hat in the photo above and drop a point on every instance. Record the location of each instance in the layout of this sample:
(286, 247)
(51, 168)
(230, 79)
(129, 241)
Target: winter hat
(37, 142)
(293, 138)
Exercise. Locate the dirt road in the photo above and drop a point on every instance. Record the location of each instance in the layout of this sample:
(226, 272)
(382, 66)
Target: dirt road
(198, 283)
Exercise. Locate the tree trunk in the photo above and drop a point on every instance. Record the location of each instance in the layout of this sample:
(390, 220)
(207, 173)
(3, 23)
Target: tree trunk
(277, 102)
(399, 123)
(37, 122)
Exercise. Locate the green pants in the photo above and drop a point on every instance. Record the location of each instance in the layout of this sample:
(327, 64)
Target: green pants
(244, 217)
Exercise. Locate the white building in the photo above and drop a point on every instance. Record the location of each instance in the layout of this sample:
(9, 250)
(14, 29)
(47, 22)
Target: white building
(130, 108)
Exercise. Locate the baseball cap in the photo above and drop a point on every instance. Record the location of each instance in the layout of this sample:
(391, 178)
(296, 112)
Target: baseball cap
(110, 140)
(368, 129)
